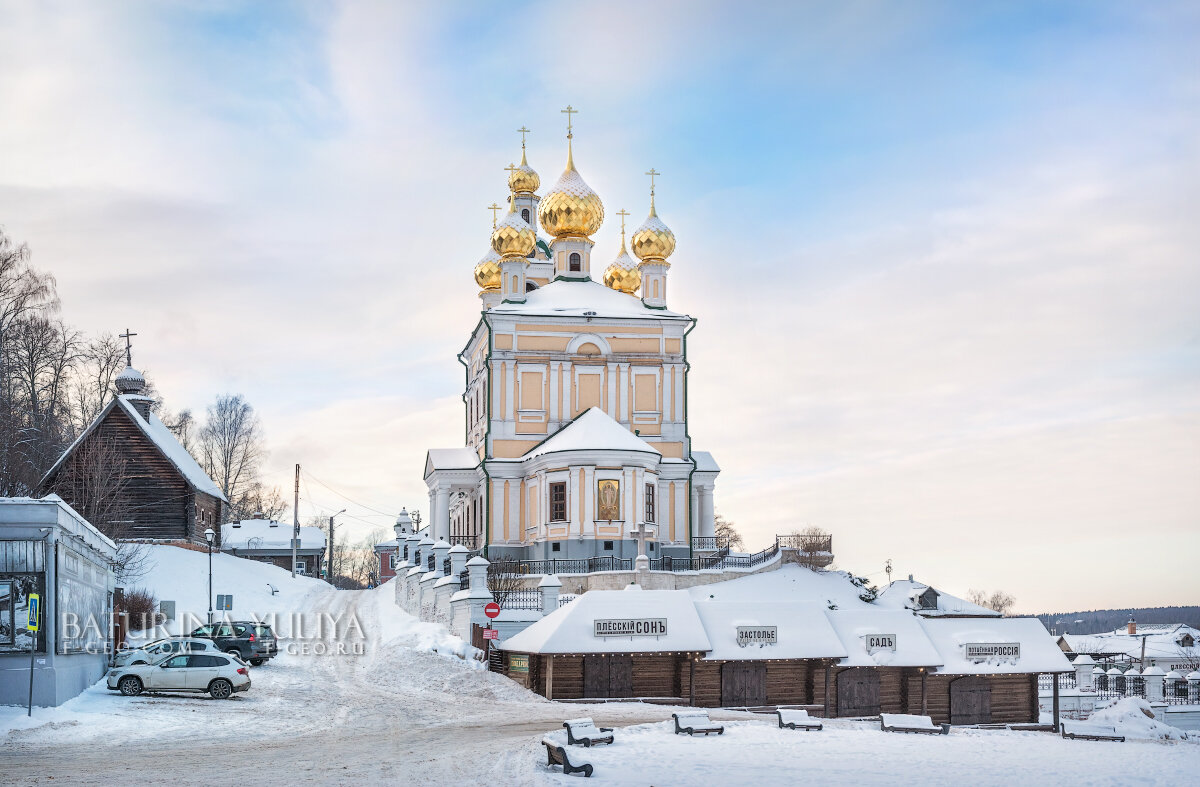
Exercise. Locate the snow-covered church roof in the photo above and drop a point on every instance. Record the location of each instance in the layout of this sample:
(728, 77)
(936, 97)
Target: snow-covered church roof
(582, 299)
(160, 435)
(592, 430)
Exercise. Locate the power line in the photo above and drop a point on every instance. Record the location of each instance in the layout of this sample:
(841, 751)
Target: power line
(346, 497)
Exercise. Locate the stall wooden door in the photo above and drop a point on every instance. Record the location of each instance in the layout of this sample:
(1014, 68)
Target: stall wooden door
(743, 683)
(858, 692)
(971, 701)
(608, 676)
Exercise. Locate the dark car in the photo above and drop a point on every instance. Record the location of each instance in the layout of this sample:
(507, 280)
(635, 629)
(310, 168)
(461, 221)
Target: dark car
(254, 642)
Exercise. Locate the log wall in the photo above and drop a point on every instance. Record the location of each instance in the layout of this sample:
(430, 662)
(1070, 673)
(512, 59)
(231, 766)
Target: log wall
(653, 675)
(890, 688)
(787, 682)
(1014, 697)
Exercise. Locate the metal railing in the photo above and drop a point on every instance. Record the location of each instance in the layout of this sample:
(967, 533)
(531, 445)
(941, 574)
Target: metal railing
(813, 543)
(431, 563)
(464, 580)
(446, 567)
(468, 541)
(1065, 680)
(521, 599)
(709, 543)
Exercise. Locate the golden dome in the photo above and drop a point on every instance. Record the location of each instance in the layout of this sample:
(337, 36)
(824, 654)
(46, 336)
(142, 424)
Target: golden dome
(512, 236)
(622, 274)
(523, 179)
(653, 241)
(487, 272)
(571, 208)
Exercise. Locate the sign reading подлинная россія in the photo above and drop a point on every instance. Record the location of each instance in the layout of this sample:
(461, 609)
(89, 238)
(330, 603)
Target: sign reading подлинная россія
(630, 627)
(992, 650)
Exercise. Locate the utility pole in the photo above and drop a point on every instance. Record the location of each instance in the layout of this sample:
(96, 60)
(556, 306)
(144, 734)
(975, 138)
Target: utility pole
(296, 521)
(330, 569)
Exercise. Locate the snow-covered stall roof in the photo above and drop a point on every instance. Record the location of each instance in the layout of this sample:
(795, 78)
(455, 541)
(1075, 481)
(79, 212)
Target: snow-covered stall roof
(592, 430)
(904, 594)
(163, 439)
(1162, 642)
(976, 646)
(268, 534)
(801, 630)
(573, 628)
(578, 298)
(882, 638)
(788, 583)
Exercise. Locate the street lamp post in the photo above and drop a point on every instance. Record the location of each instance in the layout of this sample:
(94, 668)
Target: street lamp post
(208, 536)
(331, 574)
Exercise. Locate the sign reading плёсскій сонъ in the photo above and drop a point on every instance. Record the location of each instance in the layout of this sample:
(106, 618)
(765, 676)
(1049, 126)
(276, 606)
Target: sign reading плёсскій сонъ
(757, 635)
(630, 627)
(992, 650)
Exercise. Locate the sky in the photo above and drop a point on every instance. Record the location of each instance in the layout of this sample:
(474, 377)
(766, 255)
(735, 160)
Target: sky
(943, 255)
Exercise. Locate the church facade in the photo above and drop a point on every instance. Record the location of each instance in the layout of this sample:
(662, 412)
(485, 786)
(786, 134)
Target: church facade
(576, 438)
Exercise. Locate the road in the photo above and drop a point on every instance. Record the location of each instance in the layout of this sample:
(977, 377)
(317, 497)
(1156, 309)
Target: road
(390, 714)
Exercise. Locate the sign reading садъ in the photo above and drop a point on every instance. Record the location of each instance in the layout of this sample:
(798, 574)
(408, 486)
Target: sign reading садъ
(876, 642)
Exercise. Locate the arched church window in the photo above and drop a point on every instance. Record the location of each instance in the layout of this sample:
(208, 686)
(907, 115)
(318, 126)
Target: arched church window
(576, 263)
(525, 214)
(530, 286)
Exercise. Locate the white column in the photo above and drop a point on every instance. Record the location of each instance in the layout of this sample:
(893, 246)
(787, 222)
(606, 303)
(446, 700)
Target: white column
(613, 408)
(623, 393)
(694, 508)
(708, 524)
(511, 385)
(552, 410)
(441, 521)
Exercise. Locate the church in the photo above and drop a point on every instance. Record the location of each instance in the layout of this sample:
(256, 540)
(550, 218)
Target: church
(576, 398)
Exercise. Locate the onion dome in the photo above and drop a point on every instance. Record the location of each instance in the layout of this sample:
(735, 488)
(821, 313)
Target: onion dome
(131, 382)
(523, 179)
(571, 208)
(512, 236)
(653, 241)
(622, 274)
(487, 272)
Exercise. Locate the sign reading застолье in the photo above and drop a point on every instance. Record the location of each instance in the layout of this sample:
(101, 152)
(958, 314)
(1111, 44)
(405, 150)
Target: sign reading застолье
(631, 627)
(992, 650)
(757, 635)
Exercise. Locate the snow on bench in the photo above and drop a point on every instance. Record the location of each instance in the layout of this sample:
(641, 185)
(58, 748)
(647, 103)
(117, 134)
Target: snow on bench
(557, 755)
(584, 731)
(797, 720)
(1081, 730)
(906, 722)
(695, 723)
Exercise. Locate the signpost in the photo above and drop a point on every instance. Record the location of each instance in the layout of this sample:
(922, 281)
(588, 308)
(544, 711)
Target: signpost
(32, 625)
(492, 610)
(491, 633)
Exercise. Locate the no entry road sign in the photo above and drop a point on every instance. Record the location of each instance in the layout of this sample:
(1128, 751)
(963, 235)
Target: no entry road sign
(491, 634)
(492, 610)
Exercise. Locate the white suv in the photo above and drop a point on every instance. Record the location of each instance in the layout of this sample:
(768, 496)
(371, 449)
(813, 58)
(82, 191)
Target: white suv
(218, 674)
(161, 648)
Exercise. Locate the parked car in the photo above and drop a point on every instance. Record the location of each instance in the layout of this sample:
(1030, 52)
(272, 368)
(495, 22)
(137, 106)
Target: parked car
(219, 675)
(254, 642)
(161, 648)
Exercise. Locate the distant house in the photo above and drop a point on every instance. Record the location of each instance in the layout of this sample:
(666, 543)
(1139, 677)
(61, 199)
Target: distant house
(928, 602)
(1166, 645)
(161, 491)
(271, 542)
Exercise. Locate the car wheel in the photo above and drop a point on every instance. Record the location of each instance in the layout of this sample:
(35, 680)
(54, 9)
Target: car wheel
(256, 662)
(220, 689)
(234, 652)
(130, 686)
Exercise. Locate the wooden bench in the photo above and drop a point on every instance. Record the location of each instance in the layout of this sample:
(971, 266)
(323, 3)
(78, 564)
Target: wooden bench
(695, 723)
(1090, 732)
(917, 725)
(584, 731)
(797, 720)
(557, 755)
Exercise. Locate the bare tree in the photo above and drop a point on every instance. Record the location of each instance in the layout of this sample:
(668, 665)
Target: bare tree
(503, 578)
(812, 546)
(726, 529)
(183, 426)
(997, 601)
(93, 385)
(356, 561)
(231, 450)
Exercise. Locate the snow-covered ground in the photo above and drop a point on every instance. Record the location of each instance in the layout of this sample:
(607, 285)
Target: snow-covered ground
(410, 705)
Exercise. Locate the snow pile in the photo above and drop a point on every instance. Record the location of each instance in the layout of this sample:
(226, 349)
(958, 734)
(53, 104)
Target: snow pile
(835, 589)
(1133, 718)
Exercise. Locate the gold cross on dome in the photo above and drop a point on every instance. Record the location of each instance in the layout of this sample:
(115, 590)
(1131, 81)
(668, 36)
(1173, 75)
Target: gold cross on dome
(652, 173)
(494, 208)
(622, 213)
(523, 131)
(568, 112)
(510, 169)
